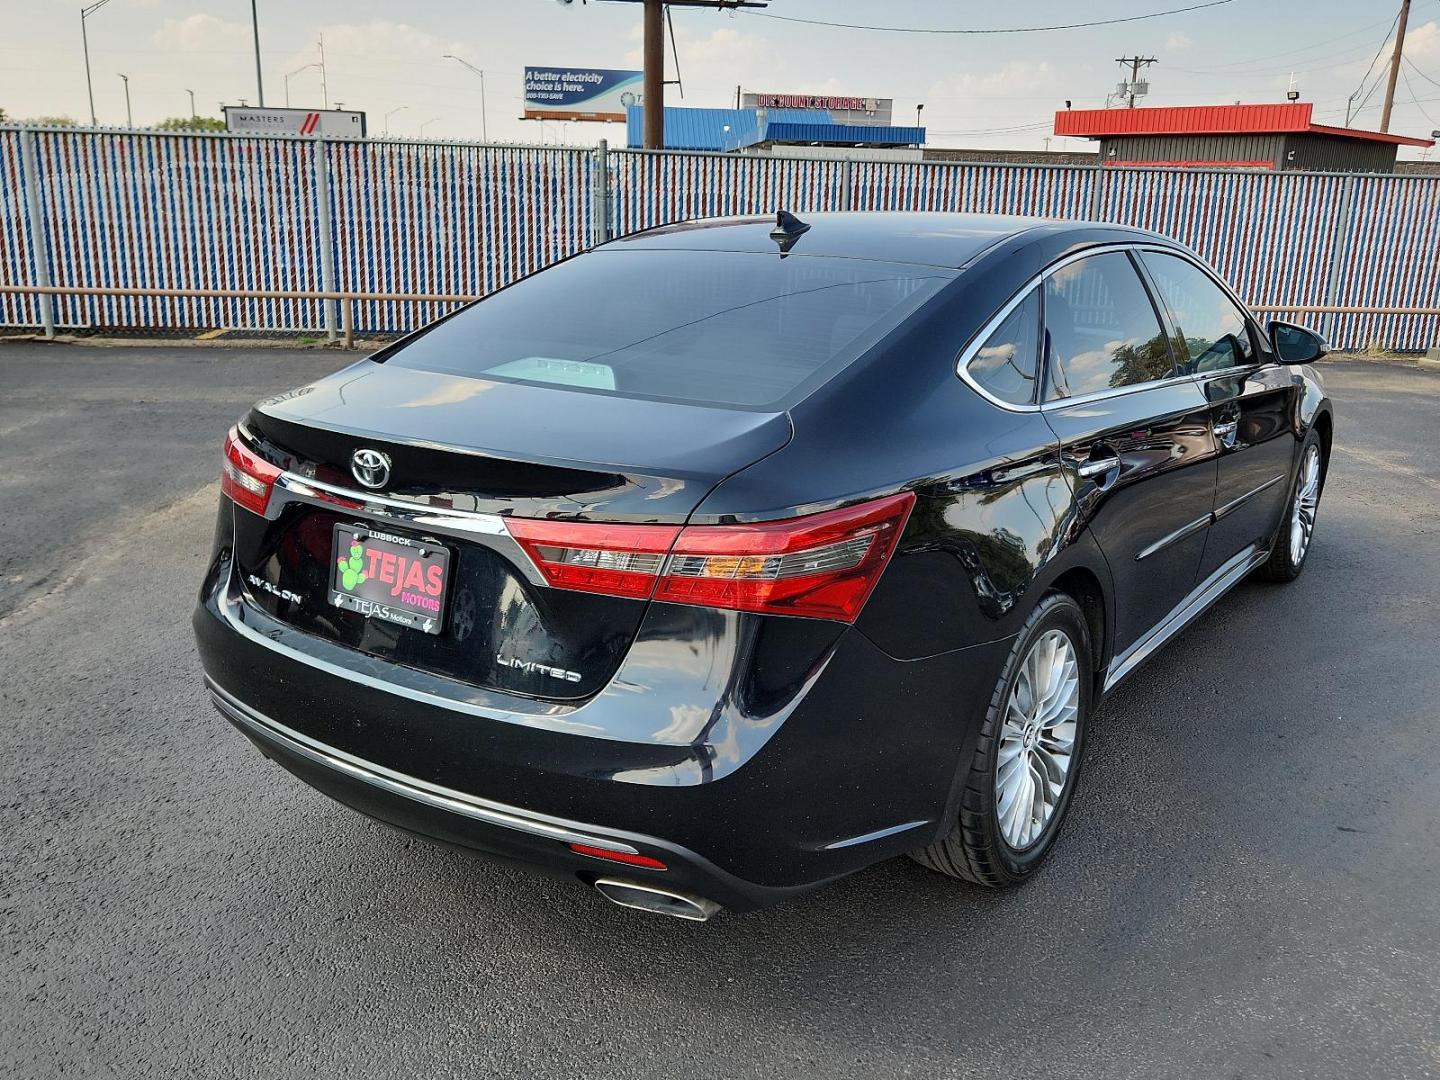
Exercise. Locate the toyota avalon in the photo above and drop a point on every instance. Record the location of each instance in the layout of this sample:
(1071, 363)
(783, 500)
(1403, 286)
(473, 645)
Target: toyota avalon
(733, 556)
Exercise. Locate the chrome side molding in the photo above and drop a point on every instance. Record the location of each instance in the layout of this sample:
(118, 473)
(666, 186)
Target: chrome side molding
(1187, 611)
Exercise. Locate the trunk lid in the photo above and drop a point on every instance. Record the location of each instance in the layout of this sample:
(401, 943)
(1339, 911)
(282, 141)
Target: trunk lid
(478, 447)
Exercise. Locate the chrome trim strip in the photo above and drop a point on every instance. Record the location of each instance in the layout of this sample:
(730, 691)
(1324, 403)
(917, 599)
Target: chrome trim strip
(395, 783)
(486, 529)
(1187, 611)
(1175, 537)
(878, 834)
(303, 489)
(1119, 391)
(1234, 504)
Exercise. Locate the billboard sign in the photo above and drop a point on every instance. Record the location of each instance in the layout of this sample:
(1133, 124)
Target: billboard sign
(565, 93)
(332, 123)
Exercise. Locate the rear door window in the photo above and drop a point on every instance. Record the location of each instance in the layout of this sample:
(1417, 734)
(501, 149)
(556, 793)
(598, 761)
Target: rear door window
(1211, 333)
(1102, 331)
(1008, 364)
(710, 327)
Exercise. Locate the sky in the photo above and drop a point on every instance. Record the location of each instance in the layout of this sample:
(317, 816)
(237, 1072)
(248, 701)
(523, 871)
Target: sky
(982, 91)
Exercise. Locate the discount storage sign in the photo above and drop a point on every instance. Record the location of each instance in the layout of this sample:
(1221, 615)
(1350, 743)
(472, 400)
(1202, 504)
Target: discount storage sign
(563, 93)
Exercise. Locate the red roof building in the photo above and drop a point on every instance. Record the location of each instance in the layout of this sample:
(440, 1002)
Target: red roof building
(1232, 136)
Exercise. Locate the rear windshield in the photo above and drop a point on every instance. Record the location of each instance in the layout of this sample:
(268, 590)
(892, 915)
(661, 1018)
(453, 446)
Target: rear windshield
(715, 328)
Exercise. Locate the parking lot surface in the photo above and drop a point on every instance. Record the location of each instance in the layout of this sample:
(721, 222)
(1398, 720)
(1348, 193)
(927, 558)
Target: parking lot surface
(1249, 885)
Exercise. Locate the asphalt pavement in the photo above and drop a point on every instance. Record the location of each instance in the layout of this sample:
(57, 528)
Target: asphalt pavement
(1249, 885)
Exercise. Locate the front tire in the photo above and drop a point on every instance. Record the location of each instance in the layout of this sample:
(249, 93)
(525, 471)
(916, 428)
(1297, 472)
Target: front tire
(1027, 757)
(1297, 527)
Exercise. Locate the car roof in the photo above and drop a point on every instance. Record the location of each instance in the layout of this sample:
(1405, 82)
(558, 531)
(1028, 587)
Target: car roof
(933, 239)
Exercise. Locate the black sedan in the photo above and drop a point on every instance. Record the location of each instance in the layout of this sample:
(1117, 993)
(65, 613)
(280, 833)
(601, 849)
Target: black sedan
(733, 556)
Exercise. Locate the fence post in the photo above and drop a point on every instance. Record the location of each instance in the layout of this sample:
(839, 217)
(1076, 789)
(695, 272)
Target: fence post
(600, 195)
(1097, 192)
(325, 230)
(1339, 248)
(847, 184)
(39, 242)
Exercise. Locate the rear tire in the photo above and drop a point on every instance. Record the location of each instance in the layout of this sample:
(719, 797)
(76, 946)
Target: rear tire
(1296, 531)
(999, 838)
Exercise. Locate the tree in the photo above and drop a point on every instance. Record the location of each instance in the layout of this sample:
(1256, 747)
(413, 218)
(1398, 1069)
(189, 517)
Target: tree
(189, 123)
(2, 116)
(50, 121)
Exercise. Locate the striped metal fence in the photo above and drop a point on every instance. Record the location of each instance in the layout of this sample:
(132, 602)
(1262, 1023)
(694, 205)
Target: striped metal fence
(221, 213)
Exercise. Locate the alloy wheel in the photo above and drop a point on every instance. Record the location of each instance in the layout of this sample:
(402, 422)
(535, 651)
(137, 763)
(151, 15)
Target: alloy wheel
(1307, 501)
(1037, 739)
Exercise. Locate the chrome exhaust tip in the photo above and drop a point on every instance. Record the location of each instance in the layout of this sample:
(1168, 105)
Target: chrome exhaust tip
(656, 901)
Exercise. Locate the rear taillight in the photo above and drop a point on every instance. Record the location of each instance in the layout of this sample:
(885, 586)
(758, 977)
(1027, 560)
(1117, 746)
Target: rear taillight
(822, 565)
(244, 476)
(617, 560)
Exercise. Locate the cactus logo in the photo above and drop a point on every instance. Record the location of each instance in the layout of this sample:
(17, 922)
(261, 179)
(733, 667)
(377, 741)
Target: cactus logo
(351, 573)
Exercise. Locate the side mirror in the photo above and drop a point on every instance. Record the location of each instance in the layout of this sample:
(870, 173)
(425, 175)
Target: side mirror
(1296, 344)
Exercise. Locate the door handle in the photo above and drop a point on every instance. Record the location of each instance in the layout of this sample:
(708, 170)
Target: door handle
(1101, 462)
(1225, 428)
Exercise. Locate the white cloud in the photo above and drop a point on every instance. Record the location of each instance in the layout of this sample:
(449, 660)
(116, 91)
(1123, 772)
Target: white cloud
(386, 40)
(1019, 78)
(1177, 42)
(1421, 40)
(201, 33)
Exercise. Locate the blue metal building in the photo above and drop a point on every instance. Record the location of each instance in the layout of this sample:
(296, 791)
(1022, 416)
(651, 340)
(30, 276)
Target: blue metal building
(737, 129)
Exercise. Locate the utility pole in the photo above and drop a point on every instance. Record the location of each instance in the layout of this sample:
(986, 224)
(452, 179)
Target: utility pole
(1395, 65)
(255, 26)
(654, 52)
(1135, 63)
(654, 75)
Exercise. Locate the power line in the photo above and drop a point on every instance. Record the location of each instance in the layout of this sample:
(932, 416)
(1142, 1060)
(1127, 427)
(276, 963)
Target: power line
(1414, 100)
(995, 30)
(1233, 64)
(1417, 71)
(1370, 68)
(1345, 58)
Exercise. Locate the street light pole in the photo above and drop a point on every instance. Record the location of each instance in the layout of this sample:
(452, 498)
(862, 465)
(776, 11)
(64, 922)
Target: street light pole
(255, 27)
(484, 119)
(129, 120)
(85, 13)
(391, 113)
(192, 103)
(292, 74)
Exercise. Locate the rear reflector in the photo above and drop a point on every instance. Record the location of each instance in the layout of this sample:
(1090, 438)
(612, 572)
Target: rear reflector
(618, 856)
(247, 478)
(822, 565)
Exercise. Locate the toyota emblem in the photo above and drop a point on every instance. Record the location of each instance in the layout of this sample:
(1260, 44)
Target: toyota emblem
(370, 467)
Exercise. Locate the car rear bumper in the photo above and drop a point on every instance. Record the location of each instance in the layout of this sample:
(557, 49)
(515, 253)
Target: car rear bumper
(500, 831)
(787, 783)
